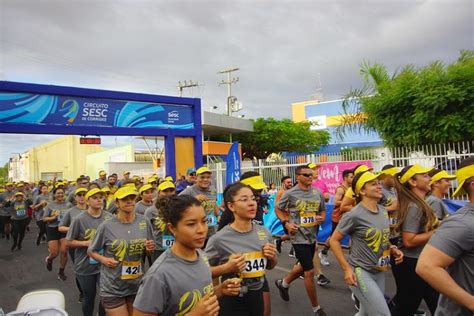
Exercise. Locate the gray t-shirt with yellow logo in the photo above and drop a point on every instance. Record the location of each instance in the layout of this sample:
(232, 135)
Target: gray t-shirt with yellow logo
(303, 206)
(70, 214)
(55, 206)
(125, 242)
(228, 241)
(209, 205)
(83, 228)
(163, 237)
(370, 233)
(173, 285)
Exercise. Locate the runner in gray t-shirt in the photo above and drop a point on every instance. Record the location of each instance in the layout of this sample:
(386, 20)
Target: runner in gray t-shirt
(146, 198)
(19, 217)
(368, 226)
(179, 282)
(203, 191)
(439, 208)
(53, 213)
(242, 249)
(5, 219)
(123, 239)
(39, 202)
(306, 210)
(440, 184)
(79, 237)
(447, 261)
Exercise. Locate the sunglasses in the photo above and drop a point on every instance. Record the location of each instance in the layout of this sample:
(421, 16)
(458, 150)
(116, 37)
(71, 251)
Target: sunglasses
(193, 174)
(307, 175)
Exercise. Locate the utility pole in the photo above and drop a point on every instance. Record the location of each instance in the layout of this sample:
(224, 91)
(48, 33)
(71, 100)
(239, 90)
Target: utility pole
(229, 82)
(182, 86)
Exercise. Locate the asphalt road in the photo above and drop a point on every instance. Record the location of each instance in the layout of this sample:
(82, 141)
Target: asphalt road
(23, 271)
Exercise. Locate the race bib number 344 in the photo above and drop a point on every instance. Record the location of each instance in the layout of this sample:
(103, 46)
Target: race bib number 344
(131, 270)
(255, 265)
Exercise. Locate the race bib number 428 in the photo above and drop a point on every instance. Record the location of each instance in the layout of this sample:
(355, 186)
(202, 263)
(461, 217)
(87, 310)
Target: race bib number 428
(131, 270)
(255, 265)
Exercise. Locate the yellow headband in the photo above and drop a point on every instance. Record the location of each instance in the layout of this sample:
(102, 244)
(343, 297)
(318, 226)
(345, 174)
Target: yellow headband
(255, 182)
(412, 171)
(441, 175)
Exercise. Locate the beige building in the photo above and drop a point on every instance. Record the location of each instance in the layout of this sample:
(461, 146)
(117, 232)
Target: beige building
(63, 158)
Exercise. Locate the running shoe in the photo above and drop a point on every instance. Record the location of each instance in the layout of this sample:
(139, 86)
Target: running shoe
(278, 242)
(324, 259)
(322, 280)
(62, 276)
(320, 312)
(292, 252)
(49, 264)
(283, 291)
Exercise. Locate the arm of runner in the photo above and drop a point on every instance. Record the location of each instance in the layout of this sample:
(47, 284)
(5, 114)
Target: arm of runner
(208, 305)
(77, 243)
(347, 204)
(432, 266)
(338, 196)
(270, 252)
(411, 240)
(335, 243)
(236, 263)
(230, 287)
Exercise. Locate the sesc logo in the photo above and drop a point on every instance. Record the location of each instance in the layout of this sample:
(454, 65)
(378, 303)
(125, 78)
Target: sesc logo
(71, 107)
(173, 115)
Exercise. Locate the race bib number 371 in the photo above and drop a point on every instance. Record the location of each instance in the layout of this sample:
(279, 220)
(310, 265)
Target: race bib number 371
(255, 265)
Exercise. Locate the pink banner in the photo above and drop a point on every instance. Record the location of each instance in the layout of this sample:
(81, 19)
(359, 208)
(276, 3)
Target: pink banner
(331, 172)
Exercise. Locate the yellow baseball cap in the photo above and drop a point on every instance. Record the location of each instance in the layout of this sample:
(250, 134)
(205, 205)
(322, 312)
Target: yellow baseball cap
(255, 182)
(126, 172)
(169, 178)
(152, 179)
(21, 184)
(363, 179)
(92, 192)
(105, 189)
(412, 171)
(361, 168)
(125, 191)
(59, 183)
(440, 174)
(102, 173)
(312, 165)
(19, 193)
(166, 185)
(9, 183)
(130, 185)
(2, 190)
(146, 187)
(462, 175)
(202, 170)
(79, 190)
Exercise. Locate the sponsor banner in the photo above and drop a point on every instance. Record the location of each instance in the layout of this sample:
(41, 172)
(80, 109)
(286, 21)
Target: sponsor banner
(26, 108)
(331, 172)
(233, 164)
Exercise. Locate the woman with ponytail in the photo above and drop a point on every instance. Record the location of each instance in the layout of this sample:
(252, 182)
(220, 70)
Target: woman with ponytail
(416, 224)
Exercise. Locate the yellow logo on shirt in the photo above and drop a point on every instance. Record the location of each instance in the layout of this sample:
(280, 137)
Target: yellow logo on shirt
(307, 206)
(376, 238)
(261, 234)
(189, 299)
(142, 225)
(159, 224)
(119, 249)
(89, 234)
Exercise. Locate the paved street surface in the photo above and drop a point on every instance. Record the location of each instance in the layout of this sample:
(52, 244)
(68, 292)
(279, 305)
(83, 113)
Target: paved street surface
(24, 271)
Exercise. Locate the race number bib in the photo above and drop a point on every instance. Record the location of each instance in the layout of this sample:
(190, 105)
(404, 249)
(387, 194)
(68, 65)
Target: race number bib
(211, 220)
(384, 261)
(255, 265)
(20, 212)
(131, 270)
(308, 219)
(167, 241)
(393, 221)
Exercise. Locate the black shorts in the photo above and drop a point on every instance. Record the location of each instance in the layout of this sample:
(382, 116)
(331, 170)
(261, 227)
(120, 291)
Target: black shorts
(305, 253)
(52, 233)
(5, 219)
(111, 302)
(265, 287)
(333, 228)
(250, 304)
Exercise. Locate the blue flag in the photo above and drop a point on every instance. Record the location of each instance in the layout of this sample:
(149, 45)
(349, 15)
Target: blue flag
(233, 164)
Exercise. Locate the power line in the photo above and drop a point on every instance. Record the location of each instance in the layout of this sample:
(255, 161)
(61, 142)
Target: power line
(182, 86)
(229, 82)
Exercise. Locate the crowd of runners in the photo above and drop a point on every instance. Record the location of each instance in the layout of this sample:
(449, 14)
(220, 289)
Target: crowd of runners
(156, 247)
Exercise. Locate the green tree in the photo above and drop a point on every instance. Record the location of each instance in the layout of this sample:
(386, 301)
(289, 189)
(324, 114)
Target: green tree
(274, 136)
(415, 106)
(4, 174)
